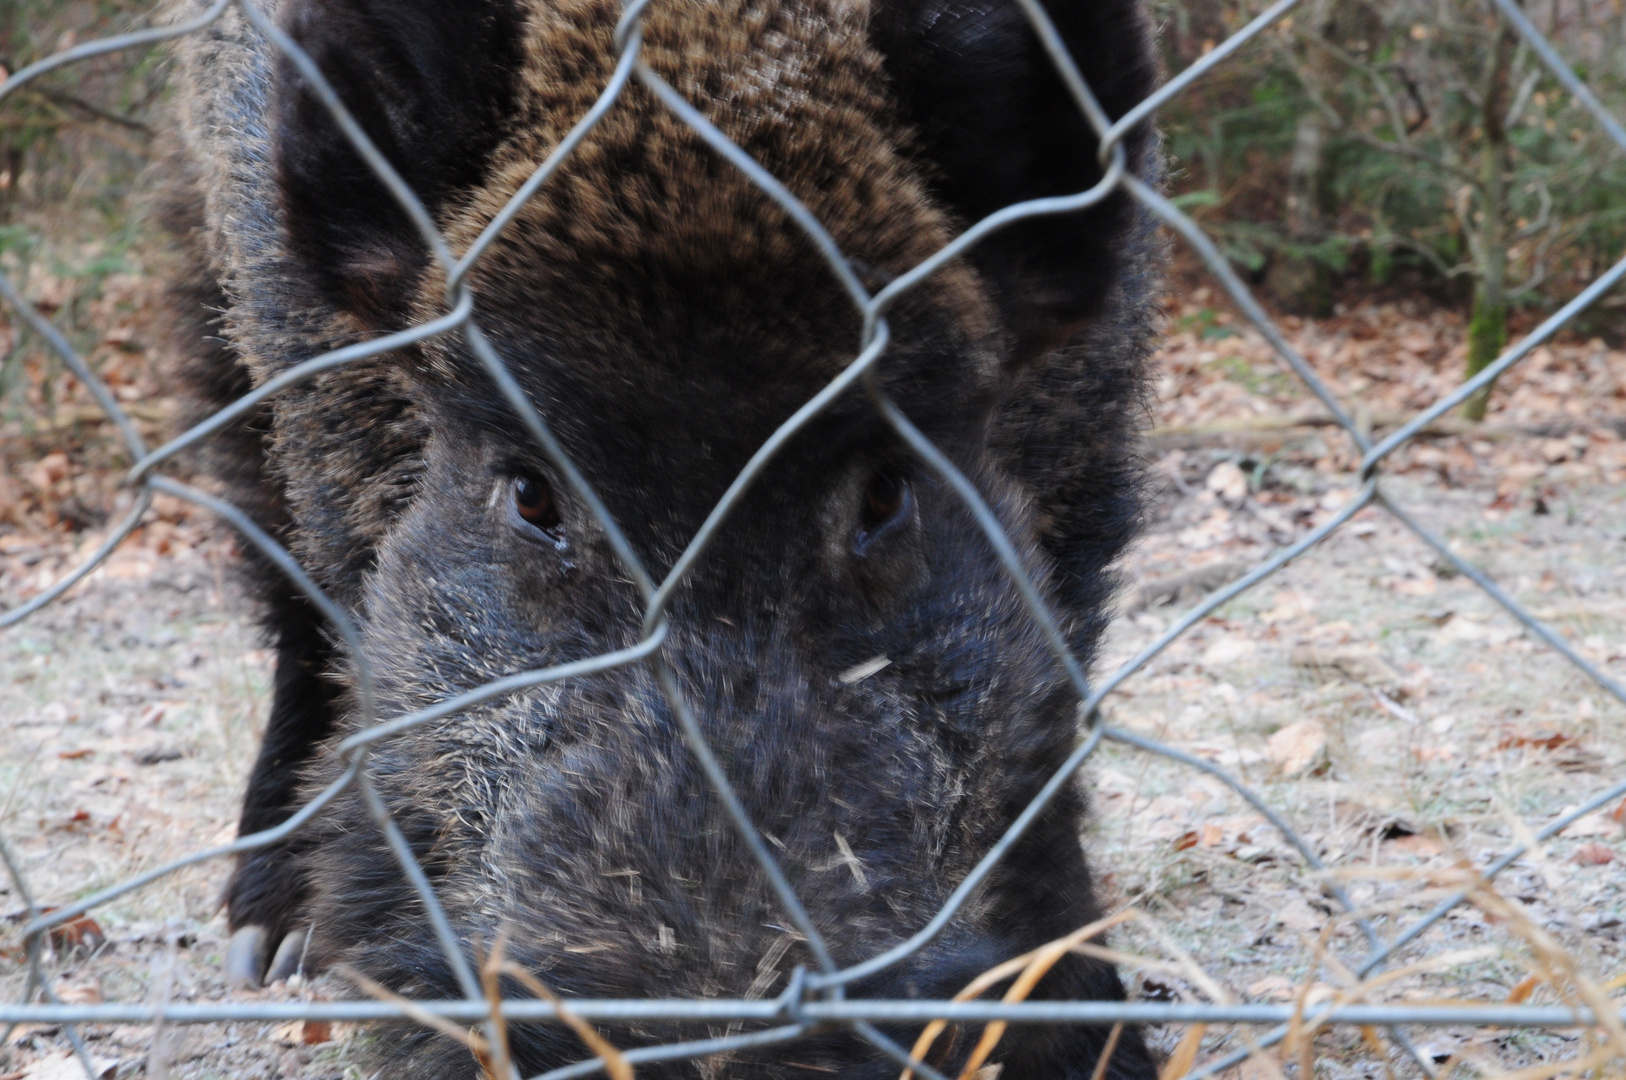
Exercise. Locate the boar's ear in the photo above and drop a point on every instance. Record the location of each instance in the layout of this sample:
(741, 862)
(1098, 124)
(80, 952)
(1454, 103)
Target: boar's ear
(995, 125)
(430, 81)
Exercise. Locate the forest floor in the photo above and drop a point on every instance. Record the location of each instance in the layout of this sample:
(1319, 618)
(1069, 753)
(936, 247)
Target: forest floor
(1397, 717)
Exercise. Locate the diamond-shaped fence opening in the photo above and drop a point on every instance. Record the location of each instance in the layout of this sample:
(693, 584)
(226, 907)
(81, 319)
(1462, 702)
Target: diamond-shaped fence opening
(814, 999)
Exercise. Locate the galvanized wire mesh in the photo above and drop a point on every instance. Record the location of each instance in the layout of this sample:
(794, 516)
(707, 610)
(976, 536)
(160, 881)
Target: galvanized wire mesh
(812, 999)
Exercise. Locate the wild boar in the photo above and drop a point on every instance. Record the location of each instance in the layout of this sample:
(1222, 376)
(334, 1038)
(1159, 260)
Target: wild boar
(853, 649)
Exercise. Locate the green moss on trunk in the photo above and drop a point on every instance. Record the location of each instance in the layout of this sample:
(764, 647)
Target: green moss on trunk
(1487, 337)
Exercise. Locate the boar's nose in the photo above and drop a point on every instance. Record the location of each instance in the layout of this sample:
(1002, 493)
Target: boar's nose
(939, 972)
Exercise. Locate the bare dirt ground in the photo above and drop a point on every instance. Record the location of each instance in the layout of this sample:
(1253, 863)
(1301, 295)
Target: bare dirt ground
(1403, 723)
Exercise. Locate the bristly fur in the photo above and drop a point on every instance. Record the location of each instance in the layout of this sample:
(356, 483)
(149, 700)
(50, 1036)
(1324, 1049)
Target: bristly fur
(664, 315)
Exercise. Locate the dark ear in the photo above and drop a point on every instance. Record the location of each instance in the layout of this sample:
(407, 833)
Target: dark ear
(430, 81)
(996, 125)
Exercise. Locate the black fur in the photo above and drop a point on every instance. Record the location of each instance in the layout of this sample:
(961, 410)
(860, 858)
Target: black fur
(665, 317)
(997, 126)
(269, 885)
(432, 85)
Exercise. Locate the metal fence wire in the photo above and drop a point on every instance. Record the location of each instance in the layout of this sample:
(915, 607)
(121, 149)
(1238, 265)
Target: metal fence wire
(813, 999)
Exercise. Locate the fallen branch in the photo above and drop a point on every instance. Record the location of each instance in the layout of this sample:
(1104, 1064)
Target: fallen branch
(1204, 579)
(1277, 429)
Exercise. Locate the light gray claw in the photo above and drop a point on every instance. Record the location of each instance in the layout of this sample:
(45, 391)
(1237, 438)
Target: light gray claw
(289, 955)
(245, 958)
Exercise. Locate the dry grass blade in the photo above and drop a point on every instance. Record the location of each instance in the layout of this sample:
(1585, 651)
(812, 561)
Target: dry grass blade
(1361, 989)
(1369, 1035)
(498, 1067)
(1580, 1066)
(1299, 1040)
(615, 1062)
(1180, 1061)
(1129, 959)
(1106, 1052)
(161, 1050)
(1188, 963)
(472, 1040)
(999, 973)
(1560, 968)
(1043, 960)
(991, 977)
(1216, 992)
(1443, 881)
(1521, 993)
(1455, 958)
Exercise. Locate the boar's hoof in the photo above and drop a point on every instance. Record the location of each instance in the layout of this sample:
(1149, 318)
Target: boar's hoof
(245, 958)
(290, 954)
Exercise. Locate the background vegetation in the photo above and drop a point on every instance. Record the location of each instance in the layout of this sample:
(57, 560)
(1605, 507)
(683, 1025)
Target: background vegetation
(73, 147)
(1361, 145)
(1358, 147)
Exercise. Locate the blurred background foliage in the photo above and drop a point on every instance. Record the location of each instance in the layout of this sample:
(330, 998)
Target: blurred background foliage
(1357, 147)
(73, 148)
(1409, 143)
(79, 136)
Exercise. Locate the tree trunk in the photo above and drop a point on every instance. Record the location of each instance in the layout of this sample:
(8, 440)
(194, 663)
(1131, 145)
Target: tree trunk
(1487, 328)
(1302, 283)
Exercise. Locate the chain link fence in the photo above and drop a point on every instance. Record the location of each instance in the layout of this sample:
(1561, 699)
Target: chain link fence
(815, 999)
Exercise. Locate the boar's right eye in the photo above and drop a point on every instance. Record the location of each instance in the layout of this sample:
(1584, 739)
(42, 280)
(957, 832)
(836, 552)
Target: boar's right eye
(533, 501)
(886, 504)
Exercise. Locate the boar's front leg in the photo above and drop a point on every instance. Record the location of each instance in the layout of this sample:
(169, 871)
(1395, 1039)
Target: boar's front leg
(267, 886)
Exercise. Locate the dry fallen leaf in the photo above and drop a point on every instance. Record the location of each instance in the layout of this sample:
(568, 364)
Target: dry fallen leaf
(79, 933)
(1354, 662)
(1273, 988)
(1289, 605)
(1543, 740)
(303, 1032)
(1596, 825)
(1296, 914)
(1425, 847)
(82, 932)
(1227, 481)
(1254, 1069)
(86, 994)
(48, 470)
(66, 1066)
(1297, 747)
(1594, 854)
(1412, 586)
(1226, 650)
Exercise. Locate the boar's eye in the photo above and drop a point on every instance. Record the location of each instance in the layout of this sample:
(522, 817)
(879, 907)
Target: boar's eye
(533, 501)
(886, 503)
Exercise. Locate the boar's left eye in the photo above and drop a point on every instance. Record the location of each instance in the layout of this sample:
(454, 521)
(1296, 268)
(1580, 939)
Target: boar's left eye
(533, 501)
(886, 503)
